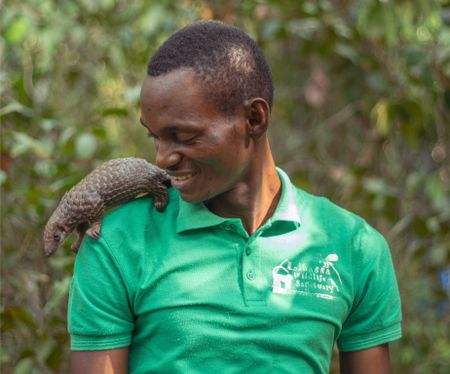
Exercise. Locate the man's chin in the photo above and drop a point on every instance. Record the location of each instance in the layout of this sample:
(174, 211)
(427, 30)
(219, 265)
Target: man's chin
(192, 199)
(196, 198)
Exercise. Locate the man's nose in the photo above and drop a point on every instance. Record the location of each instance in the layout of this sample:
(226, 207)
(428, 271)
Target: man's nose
(166, 155)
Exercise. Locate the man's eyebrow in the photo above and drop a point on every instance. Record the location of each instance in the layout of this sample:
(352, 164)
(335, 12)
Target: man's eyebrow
(169, 129)
(172, 129)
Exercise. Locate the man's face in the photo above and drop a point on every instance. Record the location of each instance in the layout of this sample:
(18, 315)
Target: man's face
(205, 152)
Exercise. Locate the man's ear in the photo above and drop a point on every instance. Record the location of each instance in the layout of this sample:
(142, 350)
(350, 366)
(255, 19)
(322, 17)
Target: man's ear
(258, 114)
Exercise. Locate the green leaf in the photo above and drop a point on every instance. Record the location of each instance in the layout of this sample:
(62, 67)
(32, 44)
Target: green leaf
(380, 115)
(438, 194)
(115, 112)
(378, 186)
(24, 143)
(59, 293)
(15, 107)
(438, 255)
(375, 185)
(390, 24)
(61, 262)
(14, 316)
(45, 350)
(85, 146)
(24, 366)
(3, 177)
(305, 28)
(18, 30)
(346, 51)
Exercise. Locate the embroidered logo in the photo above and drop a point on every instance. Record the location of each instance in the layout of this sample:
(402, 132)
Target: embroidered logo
(318, 278)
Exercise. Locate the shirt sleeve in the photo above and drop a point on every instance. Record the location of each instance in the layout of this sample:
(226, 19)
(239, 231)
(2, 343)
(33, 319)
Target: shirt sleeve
(99, 312)
(375, 317)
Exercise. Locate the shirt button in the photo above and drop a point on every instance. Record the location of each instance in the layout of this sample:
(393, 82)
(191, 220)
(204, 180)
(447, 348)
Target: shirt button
(248, 251)
(232, 227)
(250, 275)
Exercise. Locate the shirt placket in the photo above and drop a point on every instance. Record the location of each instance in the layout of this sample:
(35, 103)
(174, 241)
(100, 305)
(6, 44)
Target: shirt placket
(249, 263)
(252, 277)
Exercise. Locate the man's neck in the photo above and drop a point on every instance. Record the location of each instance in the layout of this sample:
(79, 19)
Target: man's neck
(253, 200)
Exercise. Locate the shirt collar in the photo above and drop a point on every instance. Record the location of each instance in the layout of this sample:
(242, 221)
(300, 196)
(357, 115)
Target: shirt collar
(197, 216)
(288, 208)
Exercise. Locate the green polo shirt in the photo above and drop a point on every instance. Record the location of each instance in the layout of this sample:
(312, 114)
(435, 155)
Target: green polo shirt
(192, 292)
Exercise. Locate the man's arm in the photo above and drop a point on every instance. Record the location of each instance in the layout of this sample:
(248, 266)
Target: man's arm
(112, 361)
(373, 360)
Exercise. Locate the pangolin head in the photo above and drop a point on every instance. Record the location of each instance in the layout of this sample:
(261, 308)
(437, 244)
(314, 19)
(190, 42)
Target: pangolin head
(54, 236)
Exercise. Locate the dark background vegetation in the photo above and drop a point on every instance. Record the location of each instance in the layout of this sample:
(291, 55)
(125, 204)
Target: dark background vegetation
(361, 116)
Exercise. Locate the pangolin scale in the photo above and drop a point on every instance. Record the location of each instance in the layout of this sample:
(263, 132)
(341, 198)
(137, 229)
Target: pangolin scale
(112, 183)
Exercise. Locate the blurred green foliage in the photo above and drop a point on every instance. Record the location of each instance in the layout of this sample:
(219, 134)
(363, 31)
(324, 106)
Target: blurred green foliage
(362, 115)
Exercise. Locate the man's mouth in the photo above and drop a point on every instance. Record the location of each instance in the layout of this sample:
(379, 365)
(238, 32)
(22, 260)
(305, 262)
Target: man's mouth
(180, 178)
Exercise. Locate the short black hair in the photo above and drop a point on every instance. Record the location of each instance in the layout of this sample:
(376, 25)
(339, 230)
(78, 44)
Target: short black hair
(225, 57)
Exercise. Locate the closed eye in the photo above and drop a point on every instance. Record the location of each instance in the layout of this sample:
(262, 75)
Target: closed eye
(185, 139)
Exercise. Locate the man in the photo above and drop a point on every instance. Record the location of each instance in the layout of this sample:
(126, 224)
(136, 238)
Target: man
(242, 272)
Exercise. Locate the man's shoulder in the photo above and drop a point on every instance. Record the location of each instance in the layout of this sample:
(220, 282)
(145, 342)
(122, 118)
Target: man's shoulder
(330, 215)
(141, 211)
(316, 209)
(340, 224)
(324, 206)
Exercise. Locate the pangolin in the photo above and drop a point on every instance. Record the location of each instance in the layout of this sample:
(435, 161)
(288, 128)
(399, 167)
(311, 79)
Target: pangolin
(112, 183)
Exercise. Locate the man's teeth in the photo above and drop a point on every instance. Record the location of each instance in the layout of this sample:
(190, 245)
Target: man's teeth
(183, 178)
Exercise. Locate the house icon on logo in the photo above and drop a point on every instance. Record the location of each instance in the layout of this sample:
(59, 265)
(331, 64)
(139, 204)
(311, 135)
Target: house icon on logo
(282, 280)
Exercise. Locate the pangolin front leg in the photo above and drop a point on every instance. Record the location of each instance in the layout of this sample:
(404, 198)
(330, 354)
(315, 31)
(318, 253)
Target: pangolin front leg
(160, 196)
(95, 216)
(94, 229)
(81, 230)
(159, 192)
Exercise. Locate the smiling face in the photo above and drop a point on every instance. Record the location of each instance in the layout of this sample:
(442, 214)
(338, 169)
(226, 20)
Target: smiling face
(206, 152)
